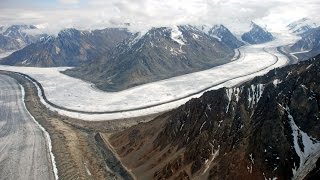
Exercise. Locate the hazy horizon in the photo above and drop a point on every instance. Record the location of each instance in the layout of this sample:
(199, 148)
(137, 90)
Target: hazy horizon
(53, 15)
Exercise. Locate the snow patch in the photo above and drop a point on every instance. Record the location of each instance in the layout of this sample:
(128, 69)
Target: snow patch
(195, 36)
(202, 126)
(311, 148)
(209, 107)
(136, 39)
(254, 94)
(181, 127)
(25, 61)
(237, 93)
(176, 51)
(309, 66)
(216, 37)
(265, 178)
(6, 54)
(214, 154)
(176, 35)
(251, 163)
(229, 92)
(87, 169)
(57, 50)
(276, 82)
(205, 28)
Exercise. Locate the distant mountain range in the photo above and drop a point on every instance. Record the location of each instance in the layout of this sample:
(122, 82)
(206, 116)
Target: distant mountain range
(309, 44)
(267, 128)
(302, 25)
(223, 34)
(160, 53)
(70, 47)
(257, 35)
(115, 59)
(15, 37)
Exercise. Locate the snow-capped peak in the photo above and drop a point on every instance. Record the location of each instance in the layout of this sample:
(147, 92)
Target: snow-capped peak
(204, 28)
(42, 26)
(255, 26)
(302, 25)
(68, 32)
(218, 27)
(3, 29)
(136, 38)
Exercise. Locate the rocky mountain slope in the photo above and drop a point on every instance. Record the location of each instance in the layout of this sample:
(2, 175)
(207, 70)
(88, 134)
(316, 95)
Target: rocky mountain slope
(70, 47)
(17, 36)
(224, 35)
(267, 128)
(257, 35)
(159, 54)
(309, 44)
(302, 25)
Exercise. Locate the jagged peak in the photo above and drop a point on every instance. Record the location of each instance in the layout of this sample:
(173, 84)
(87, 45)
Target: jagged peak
(300, 21)
(7, 30)
(254, 25)
(175, 32)
(302, 25)
(219, 27)
(205, 28)
(47, 39)
(68, 32)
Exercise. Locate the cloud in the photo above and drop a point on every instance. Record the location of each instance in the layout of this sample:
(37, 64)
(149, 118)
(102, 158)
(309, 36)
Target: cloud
(69, 1)
(143, 14)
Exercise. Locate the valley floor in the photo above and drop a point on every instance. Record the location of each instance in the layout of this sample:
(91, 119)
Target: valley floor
(92, 104)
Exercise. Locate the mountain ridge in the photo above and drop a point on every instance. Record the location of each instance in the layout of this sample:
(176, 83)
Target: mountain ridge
(158, 54)
(309, 44)
(251, 131)
(301, 26)
(257, 35)
(71, 47)
(16, 37)
(224, 35)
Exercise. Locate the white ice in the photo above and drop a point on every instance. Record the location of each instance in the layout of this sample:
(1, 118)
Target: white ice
(76, 94)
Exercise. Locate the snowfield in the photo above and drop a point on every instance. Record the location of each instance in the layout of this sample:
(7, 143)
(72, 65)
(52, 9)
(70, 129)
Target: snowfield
(76, 94)
(5, 54)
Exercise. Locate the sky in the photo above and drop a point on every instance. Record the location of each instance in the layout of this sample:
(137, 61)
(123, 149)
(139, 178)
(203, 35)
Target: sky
(54, 15)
